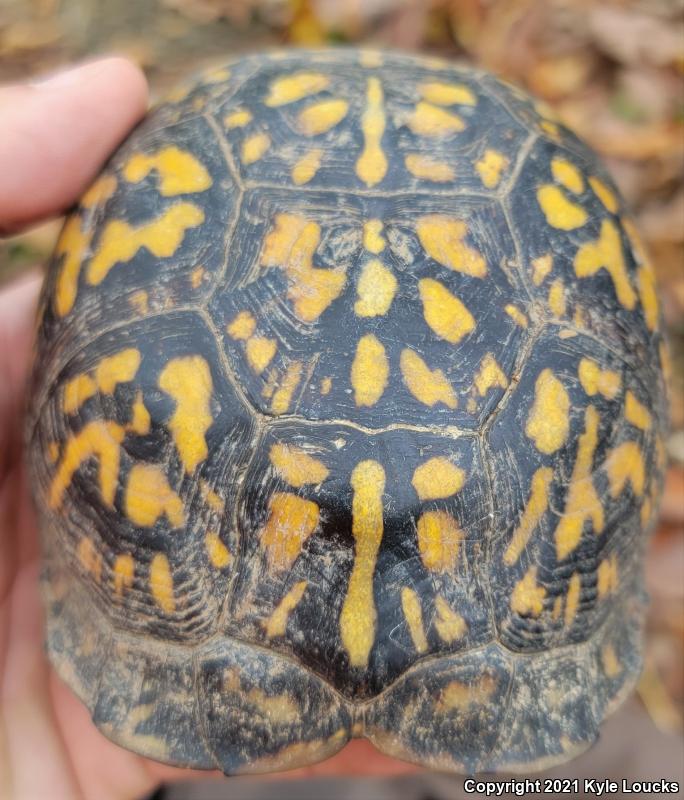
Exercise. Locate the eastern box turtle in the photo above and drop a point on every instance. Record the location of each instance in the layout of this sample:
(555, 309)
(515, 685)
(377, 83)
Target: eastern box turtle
(347, 421)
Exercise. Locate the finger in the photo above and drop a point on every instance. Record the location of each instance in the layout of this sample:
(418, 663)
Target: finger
(57, 133)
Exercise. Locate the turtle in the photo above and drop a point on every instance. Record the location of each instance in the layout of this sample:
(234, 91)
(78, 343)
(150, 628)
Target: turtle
(347, 421)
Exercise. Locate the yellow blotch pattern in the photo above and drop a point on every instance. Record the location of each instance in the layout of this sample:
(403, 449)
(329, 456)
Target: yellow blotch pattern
(90, 558)
(446, 315)
(376, 289)
(372, 164)
(162, 237)
(100, 191)
(527, 598)
(626, 464)
(369, 371)
(430, 120)
(218, 553)
(607, 576)
(242, 326)
(188, 381)
(490, 168)
(140, 301)
(428, 169)
(594, 379)
(541, 267)
(326, 386)
(413, 614)
(582, 502)
(161, 583)
(72, 245)
(290, 522)
(449, 624)
(636, 413)
(439, 538)
(260, 351)
(567, 174)
(447, 94)
(535, 509)
(296, 466)
(606, 253)
(489, 375)
(443, 239)
(76, 392)
(604, 194)
(373, 240)
(291, 88)
(610, 662)
(548, 422)
(254, 147)
(237, 119)
(560, 212)
(149, 496)
(457, 696)
(196, 277)
(427, 386)
(516, 315)
(358, 618)
(140, 417)
(322, 117)
(646, 284)
(124, 572)
(573, 598)
(98, 439)
(557, 298)
(282, 397)
(179, 172)
(276, 624)
(307, 166)
(436, 478)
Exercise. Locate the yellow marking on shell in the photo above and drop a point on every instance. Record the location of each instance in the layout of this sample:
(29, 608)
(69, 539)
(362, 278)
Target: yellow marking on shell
(636, 413)
(446, 315)
(219, 554)
(254, 147)
(557, 298)
(369, 371)
(594, 379)
(260, 351)
(149, 496)
(290, 522)
(431, 120)
(447, 94)
(371, 59)
(541, 267)
(162, 237)
(276, 625)
(161, 583)
(489, 375)
(457, 696)
(646, 512)
(216, 75)
(436, 478)
(560, 212)
(179, 172)
(196, 277)
(646, 285)
(606, 253)
(582, 502)
(534, 512)
(567, 333)
(211, 498)
(429, 169)
(291, 88)
(376, 289)
(140, 417)
(242, 326)
(53, 452)
(439, 538)
(188, 381)
(322, 117)
(610, 662)
(326, 385)
(291, 245)
(449, 624)
(373, 240)
(371, 166)
(604, 194)
(90, 558)
(567, 174)
(100, 191)
(98, 439)
(72, 245)
(140, 302)
(607, 576)
(282, 396)
(296, 466)
(516, 315)
(490, 167)
(550, 129)
(427, 386)
(527, 598)
(557, 607)
(573, 598)
(626, 463)
(237, 119)
(307, 166)
(548, 422)
(124, 572)
(122, 367)
(413, 614)
(76, 392)
(358, 618)
(443, 239)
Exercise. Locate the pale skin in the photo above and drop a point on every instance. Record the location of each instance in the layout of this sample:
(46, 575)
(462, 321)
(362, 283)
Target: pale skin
(55, 137)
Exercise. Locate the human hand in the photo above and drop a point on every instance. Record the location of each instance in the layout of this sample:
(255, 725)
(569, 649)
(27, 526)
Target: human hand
(55, 137)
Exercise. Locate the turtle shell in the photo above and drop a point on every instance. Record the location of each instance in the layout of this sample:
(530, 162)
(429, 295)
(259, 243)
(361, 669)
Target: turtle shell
(347, 422)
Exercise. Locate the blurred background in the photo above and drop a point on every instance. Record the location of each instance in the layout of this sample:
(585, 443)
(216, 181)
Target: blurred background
(613, 70)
